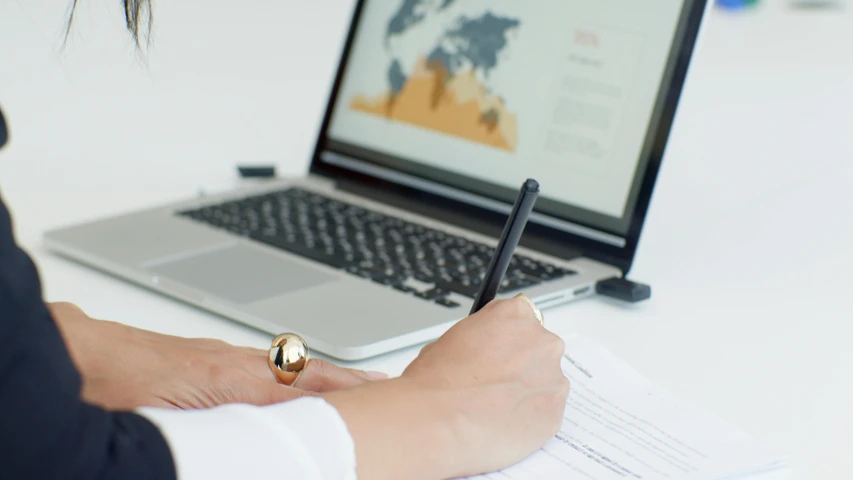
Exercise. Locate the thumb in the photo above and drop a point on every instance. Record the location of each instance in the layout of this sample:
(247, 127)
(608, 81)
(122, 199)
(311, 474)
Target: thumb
(322, 376)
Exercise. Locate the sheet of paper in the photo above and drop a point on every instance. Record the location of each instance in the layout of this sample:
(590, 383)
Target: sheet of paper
(618, 425)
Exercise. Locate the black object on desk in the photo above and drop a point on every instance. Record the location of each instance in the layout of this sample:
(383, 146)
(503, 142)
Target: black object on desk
(623, 289)
(506, 245)
(256, 171)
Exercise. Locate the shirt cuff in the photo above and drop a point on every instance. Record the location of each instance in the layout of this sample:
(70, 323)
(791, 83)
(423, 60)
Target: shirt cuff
(304, 438)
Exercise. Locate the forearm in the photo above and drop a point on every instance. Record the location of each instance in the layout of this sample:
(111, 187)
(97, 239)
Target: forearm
(400, 430)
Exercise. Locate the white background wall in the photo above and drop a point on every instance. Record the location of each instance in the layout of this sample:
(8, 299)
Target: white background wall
(225, 81)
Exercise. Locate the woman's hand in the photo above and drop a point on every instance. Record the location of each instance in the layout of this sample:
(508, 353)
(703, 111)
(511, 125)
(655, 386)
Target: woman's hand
(503, 369)
(486, 394)
(124, 368)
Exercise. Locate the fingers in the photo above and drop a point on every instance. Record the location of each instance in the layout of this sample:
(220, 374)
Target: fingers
(268, 393)
(513, 309)
(318, 376)
(536, 312)
(322, 376)
(520, 312)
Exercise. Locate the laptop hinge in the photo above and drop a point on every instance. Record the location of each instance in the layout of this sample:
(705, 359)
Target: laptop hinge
(323, 180)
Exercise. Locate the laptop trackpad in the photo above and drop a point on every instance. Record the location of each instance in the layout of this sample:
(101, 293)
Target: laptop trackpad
(240, 274)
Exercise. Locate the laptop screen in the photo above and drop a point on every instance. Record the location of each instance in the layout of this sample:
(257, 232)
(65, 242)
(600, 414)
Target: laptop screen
(478, 95)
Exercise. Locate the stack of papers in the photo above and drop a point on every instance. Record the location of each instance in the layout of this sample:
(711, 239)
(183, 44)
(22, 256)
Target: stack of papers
(617, 425)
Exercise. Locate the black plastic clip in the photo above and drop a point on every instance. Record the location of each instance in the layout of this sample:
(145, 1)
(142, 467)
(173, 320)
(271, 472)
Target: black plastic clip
(624, 289)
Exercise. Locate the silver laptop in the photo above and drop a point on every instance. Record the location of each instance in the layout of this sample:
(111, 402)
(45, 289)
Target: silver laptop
(439, 111)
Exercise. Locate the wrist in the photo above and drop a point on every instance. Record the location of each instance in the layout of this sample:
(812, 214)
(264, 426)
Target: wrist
(401, 429)
(436, 414)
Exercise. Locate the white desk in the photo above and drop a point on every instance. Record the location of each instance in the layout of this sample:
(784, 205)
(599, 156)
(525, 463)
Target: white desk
(747, 246)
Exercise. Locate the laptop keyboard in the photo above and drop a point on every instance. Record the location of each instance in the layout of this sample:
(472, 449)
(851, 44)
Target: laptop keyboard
(409, 257)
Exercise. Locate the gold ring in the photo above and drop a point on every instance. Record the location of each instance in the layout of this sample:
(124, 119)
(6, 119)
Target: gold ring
(288, 357)
(536, 311)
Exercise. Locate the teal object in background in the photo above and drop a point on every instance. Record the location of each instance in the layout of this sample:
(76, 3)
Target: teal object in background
(733, 4)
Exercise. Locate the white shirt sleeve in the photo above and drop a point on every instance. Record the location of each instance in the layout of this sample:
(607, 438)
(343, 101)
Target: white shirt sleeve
(305, 439)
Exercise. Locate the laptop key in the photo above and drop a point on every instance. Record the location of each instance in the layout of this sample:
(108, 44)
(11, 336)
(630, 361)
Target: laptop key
(403, 288)
(388, 278)
(432, 293)
(469, 290)
(513, 283)
(446, 303)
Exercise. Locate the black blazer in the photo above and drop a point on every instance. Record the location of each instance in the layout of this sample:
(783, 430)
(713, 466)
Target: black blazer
(46, 430)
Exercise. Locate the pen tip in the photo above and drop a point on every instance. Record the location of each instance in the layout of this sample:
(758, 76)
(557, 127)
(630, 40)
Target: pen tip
(531, 185)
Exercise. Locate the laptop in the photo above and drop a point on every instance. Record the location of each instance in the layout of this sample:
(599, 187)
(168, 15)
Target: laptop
(439, 111)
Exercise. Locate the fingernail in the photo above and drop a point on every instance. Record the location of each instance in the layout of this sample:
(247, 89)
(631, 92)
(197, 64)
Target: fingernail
(376, 375)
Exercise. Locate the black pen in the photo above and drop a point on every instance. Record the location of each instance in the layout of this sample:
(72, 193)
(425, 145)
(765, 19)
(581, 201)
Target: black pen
(506, 245)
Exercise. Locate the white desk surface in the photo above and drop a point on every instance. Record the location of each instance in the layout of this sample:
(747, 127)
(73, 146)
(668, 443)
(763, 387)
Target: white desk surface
(747, 245)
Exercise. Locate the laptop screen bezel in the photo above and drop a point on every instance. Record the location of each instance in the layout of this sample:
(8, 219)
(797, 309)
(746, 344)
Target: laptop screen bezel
(602, 247)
